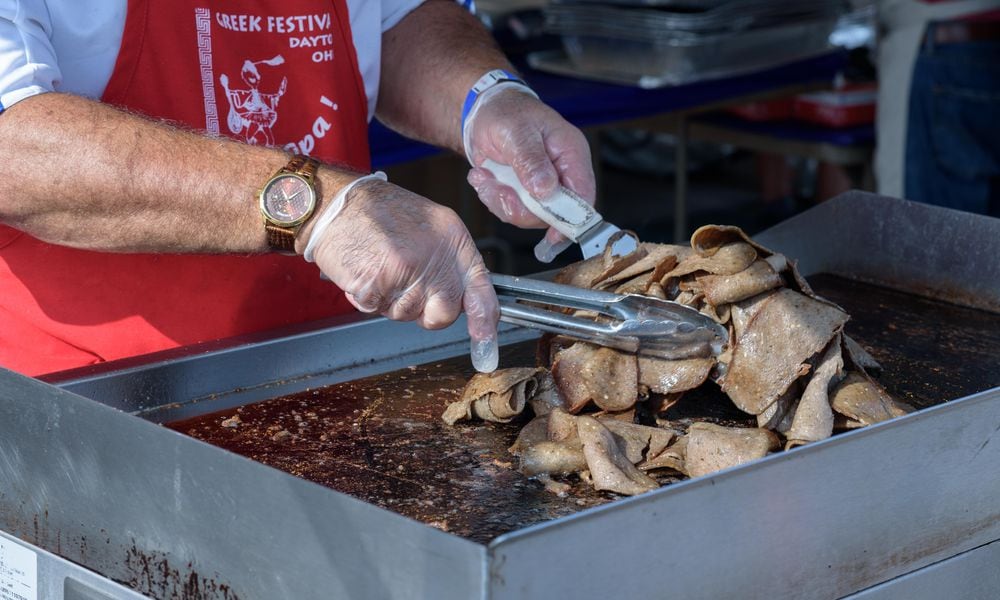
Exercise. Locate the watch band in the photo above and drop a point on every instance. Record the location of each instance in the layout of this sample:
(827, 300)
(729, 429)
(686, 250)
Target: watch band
(282, 239)
(301, 165)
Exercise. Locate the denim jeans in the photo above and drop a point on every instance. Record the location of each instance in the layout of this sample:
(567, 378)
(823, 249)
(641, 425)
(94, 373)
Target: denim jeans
(953, 133)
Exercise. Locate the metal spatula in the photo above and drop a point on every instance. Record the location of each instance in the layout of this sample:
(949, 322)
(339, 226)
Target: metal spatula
(640, 324)
(569, 215)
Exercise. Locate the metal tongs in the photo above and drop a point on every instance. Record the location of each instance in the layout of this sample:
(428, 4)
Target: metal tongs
(633, 323)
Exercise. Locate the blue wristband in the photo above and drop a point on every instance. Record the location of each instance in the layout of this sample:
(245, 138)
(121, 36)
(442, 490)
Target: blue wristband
(486, 82)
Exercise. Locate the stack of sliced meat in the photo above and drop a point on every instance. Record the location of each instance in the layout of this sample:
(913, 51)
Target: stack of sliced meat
(788, 362)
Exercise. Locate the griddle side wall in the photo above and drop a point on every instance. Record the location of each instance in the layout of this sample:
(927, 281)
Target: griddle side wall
(928, 250)
(190, 382)
(175, 518)
(825, 520)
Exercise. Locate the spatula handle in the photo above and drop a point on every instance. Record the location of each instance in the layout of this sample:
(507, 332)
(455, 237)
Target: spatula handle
(566, 212)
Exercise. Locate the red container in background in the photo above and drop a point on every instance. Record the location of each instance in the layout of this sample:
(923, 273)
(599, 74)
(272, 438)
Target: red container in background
(778, 109)
(848, 106)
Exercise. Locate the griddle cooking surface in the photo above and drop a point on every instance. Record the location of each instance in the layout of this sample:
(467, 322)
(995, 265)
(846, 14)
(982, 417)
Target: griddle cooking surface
(381, 439)
(931, 351)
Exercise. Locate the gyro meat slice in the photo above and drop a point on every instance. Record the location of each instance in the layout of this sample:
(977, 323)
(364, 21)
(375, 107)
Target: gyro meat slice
(788, 329)
(637, 285)
(865, 402)
(552, 458)
(541, 452)
(534, 432)
(584, 273)
(672, 458)
(655, 290)
(813, 420)
(778, 417)
(670, 376)
(800, 282)
(720, 314)
(708, 239)
(586, 373)
(689, 298)
(728, 259)
(550, 344)
(744, 312)
(653, 256)
(609, 468)
(677, 254)
(560, 426)
(711, 447)
(638, 441)
(580, 273)
(545, 396)
(613, 265)
(498, 396)
(859, 357)
(722, 289)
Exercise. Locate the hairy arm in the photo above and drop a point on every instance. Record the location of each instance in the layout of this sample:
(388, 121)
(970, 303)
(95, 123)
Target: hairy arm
(80, 173)
(430, 59)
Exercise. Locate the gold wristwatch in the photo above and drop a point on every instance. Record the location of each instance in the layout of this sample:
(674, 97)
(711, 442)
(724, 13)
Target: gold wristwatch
(287, 201)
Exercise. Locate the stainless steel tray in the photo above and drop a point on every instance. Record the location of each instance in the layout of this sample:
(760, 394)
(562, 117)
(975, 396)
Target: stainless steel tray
(558, 62)
(636, 20)
(679, 58)
(173, 517)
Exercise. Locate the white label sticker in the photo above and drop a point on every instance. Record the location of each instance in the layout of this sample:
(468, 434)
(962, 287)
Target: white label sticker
(18, 572)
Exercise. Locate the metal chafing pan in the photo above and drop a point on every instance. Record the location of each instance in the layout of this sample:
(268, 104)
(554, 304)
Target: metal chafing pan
(660, 47)
(641, 19)
(901, 509)
(675, 59)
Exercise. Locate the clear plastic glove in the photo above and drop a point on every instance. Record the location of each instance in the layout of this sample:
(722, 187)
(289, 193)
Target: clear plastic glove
(516, 129)
(400, 255)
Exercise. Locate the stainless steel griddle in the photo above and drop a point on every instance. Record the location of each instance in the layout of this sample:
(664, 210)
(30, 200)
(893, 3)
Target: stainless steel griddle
(913, 504)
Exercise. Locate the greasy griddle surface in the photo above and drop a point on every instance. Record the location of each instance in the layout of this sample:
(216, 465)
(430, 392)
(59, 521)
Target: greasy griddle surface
(381, 439)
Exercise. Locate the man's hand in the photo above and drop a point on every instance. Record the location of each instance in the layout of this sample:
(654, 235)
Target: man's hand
(516, 129)
(409, 259)
(422, 89)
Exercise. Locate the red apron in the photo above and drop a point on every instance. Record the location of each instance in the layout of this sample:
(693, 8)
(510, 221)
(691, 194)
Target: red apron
(268, 72)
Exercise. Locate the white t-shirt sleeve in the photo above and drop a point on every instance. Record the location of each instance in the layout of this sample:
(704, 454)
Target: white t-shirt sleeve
(369, 20)
(27, 58)
(393, 11)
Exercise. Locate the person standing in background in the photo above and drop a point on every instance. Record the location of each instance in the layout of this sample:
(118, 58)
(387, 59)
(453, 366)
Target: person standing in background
(939, 97)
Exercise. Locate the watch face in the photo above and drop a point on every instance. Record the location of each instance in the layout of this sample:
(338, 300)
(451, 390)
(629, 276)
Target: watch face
(287, 199)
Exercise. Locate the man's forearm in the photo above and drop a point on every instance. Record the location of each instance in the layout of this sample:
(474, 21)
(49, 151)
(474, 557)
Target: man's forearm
(83, 174)
(429, 62)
